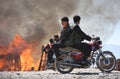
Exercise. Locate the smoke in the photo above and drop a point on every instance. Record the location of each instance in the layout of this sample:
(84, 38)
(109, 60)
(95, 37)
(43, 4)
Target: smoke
(34, 20)
(114, 39)
(99, 17)
(113, 43)
(37, 20)
(31, 20)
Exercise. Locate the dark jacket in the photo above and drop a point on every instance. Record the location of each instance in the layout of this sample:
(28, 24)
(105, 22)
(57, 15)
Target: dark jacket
(65, 36)
(79, 35)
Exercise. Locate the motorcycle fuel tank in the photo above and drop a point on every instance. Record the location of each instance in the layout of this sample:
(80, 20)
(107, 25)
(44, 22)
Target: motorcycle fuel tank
(76, 55)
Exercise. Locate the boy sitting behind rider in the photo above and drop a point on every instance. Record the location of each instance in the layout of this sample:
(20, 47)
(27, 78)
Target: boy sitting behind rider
(79, 36)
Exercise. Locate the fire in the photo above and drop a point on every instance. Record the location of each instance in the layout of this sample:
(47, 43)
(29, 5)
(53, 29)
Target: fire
(27, 61)
(17, 55)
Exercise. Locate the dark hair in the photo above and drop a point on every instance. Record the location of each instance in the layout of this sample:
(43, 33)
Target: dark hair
(51, 40)
(76, 18)
(65, 19)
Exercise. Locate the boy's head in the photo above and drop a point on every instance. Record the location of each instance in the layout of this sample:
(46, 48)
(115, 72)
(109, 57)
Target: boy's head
(65, 21)
(76, 19)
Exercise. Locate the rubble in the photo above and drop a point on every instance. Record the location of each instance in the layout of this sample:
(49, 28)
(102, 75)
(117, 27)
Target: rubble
(118, 65)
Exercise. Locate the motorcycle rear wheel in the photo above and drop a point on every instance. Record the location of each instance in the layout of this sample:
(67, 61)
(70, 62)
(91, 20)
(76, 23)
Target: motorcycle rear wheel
(63, 68)
(106, 61)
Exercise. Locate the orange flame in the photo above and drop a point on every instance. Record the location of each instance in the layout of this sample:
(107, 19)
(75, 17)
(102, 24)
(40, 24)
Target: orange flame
(17, 55)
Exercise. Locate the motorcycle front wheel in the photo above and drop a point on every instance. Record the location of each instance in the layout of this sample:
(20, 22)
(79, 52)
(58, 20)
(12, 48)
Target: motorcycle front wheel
(106, 61)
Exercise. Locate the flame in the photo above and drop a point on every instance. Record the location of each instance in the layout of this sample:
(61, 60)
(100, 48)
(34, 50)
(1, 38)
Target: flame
(18, 55)
(27, 61)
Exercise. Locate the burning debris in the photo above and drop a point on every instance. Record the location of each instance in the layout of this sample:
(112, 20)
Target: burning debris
(17, 55)
(30, 19)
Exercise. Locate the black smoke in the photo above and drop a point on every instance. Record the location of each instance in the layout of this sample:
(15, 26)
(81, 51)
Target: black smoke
(34, 20)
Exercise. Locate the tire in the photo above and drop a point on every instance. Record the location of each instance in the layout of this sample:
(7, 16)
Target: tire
(62, 68)
(104, 63)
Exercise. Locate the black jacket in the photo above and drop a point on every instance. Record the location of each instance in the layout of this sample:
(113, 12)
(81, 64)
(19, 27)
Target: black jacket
(81, 34)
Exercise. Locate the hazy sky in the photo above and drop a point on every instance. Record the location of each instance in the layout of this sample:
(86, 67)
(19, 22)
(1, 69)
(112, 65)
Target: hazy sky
(115, 37)
(101, 18)
(114, 42)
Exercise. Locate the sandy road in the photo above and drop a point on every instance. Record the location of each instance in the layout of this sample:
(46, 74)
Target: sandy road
(50, 74)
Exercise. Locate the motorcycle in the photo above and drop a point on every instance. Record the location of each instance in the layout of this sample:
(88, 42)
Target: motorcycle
(105, 60)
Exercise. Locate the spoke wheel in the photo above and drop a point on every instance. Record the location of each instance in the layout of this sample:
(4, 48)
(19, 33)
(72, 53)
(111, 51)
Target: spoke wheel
(106, 61)
(62, 68)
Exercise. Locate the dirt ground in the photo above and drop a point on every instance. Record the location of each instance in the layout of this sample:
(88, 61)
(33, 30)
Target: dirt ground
(51, 74)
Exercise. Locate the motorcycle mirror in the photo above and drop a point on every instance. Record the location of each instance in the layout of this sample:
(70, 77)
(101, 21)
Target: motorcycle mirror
(97, 38)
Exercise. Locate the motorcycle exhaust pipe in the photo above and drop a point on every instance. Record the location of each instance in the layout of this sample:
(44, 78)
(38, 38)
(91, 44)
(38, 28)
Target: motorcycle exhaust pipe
(70, 64)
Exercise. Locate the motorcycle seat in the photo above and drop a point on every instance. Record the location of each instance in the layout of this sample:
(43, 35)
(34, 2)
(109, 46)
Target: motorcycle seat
(69, 49)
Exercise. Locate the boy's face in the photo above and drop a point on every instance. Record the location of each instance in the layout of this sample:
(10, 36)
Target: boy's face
(64, 23)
